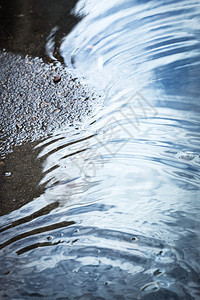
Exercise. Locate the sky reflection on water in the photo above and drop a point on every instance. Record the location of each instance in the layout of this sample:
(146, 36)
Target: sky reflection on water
(127, 181)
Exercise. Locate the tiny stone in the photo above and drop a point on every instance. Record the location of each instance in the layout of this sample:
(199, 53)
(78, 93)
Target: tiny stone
(7, 174)
(56, 79)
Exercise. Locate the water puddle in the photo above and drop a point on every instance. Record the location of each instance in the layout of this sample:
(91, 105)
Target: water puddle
(109, 208)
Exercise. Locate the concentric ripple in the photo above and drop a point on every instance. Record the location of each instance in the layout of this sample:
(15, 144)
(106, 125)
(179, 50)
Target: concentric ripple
(119, 215)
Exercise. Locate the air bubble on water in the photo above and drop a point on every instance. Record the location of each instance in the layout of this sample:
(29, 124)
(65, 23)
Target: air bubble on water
(186, 155)
(152, 286)
(157, 272)
(75, 271)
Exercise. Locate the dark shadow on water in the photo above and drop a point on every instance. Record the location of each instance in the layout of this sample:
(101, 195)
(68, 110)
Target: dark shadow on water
(25, 25)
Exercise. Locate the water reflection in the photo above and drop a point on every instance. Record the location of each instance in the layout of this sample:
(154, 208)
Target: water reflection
(122, 191)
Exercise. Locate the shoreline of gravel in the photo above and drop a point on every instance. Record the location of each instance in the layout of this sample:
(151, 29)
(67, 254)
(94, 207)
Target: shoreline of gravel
(33, 103)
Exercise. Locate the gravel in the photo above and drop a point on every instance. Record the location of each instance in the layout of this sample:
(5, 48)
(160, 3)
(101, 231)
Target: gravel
(38, 98)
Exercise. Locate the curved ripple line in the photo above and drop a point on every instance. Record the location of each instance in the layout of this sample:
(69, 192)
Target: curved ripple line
(36, 231)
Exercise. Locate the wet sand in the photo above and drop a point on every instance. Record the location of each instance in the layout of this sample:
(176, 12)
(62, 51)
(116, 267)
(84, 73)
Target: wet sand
(32, 106)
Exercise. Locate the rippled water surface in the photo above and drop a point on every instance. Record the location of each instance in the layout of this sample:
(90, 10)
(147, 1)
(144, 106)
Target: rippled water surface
(119, 214)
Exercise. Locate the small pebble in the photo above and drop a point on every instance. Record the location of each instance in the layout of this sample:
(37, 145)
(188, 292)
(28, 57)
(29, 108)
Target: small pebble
(57, 79)
(7, 174)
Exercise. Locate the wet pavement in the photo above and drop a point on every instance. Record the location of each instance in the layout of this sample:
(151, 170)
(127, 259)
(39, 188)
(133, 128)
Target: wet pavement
(25, 26)
(38, 93)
